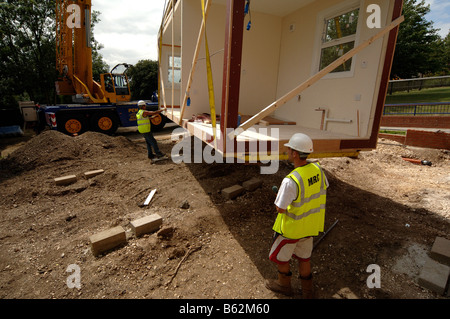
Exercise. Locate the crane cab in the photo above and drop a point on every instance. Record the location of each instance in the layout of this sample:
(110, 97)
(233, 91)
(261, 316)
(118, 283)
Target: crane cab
(116, 87)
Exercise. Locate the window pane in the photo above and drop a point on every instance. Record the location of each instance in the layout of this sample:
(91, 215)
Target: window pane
(330, 54)
(177, 76)
(341, 26)
(120, 81)
(177, 62)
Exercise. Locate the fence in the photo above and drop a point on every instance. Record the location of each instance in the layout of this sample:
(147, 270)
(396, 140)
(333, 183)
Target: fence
(414, 109)
(418, 84)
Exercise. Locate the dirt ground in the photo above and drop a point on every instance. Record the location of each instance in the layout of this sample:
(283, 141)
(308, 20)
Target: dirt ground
(389, 213)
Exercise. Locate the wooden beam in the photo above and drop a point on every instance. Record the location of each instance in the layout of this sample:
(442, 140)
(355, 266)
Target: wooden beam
(173, 54)
(194, 61)
(149, 197)
(295, 92)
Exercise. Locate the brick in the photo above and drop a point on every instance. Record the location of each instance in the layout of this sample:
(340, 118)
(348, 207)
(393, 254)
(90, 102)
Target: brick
(393, 137)
(438, 140)
(146, 224)
(65, 180)
(252, 184)
(416, 121)
(107, 240)
(233, 191)
(345, 293)
(441, 250)
(91, 174)
(434, 276)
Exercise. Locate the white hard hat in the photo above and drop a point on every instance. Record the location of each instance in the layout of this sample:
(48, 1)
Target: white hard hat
(141, 102)
(300, 142)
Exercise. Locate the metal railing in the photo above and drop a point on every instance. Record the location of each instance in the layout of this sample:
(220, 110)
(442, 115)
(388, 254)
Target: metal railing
(418, 84)
(414, 109)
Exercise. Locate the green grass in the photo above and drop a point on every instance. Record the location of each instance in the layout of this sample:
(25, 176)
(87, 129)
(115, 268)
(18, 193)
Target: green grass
(393, 132)
(432, 95)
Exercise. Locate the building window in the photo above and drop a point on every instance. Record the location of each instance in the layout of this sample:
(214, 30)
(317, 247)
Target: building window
(339, 36)
(176, 62)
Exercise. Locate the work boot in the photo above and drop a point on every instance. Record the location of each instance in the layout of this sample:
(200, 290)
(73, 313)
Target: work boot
(307, 287)
(282, 285)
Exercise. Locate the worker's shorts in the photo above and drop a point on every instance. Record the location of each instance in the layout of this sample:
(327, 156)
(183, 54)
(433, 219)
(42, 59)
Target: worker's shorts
(283, 249)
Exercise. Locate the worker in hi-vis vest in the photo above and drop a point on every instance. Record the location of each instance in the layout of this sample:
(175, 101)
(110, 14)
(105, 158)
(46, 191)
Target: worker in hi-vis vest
(300, 205)
(145, 128)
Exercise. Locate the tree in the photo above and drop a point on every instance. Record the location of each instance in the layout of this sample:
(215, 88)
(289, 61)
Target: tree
(143, 79)
(445, 57)
(99, 66)
(417, 43)
(27, 51)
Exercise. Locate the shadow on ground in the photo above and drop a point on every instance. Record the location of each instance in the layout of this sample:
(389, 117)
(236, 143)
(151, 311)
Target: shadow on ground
(371, 230)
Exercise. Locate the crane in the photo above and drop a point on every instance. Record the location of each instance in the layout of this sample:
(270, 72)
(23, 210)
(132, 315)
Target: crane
(74, 58)
(101, 107)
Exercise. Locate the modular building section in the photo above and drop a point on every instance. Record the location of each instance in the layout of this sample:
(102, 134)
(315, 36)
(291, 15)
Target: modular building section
(259, 51)
(79, 118)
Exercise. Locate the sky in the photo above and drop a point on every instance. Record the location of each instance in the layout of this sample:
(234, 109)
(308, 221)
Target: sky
(440, 15)
(129, 31)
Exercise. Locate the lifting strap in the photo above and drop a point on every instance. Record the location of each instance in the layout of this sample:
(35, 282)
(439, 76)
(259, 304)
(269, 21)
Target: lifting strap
(210, 81)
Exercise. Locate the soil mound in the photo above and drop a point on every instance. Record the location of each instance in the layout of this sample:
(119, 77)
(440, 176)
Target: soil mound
(52, 146)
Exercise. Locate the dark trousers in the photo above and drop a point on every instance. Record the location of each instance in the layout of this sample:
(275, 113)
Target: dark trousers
(151, 144)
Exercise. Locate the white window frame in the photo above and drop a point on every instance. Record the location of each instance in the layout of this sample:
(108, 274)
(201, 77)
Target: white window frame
(321, 29)
(169, 69)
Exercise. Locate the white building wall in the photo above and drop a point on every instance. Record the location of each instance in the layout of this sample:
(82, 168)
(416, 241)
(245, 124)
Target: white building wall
(279, 53)
(343, 95)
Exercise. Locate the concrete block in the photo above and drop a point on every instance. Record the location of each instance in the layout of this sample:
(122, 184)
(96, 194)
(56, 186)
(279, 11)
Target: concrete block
(441, 250)
(65, 180)
(93, 173)
(434, 276)
(107, 240)
(146, 224)
(345, 293)
(252, 184)
(233, 191)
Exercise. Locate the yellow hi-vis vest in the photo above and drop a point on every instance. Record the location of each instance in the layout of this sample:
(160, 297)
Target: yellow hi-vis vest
(144, 125)
(305, 216)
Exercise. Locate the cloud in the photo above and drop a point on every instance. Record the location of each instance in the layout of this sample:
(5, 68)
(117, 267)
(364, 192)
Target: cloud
(440, 15)
(128, 29)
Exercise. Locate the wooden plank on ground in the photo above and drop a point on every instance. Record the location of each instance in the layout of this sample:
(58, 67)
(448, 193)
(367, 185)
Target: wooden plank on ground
(149, 197)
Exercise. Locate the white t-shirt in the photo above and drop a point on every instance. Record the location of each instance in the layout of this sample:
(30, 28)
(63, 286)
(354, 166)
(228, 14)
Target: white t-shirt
(286, 194)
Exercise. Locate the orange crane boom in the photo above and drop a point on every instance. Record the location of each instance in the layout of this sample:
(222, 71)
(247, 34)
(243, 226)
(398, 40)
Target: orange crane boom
(74, 58)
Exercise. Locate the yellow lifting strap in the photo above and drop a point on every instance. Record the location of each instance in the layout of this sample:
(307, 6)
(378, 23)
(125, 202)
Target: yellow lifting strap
(210, 80)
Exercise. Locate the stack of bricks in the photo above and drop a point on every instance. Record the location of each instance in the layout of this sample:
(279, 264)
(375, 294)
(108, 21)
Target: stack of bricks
(436, 271)
(115, 237)
(70, 179)
(236, 190)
